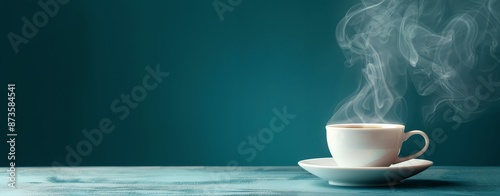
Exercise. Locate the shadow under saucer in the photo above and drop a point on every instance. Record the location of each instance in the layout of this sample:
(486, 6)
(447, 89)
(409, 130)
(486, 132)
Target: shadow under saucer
(407, 184)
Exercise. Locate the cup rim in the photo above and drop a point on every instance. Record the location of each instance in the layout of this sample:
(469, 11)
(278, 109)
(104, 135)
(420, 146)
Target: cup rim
(368, 125)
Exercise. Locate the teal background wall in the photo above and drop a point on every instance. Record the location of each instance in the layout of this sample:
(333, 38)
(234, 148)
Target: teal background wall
(226, 77)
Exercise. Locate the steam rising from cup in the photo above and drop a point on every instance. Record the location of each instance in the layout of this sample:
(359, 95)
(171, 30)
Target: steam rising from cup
(439, 47)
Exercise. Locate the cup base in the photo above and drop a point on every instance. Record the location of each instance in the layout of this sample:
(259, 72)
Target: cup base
(365, 157)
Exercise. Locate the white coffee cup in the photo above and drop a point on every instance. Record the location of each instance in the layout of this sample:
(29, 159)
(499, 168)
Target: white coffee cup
(369, 145)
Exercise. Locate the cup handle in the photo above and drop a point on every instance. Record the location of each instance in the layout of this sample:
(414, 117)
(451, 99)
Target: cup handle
(408, 135)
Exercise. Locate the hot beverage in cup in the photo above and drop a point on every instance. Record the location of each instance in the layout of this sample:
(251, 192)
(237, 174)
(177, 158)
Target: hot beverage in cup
(369, 145)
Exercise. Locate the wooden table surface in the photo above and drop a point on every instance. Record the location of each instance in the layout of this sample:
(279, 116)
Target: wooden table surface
(235, 181)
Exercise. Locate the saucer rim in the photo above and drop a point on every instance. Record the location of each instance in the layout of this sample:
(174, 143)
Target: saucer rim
(426, 163)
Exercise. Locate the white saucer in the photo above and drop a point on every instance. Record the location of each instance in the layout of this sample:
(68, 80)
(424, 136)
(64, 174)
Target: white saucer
(327, 169)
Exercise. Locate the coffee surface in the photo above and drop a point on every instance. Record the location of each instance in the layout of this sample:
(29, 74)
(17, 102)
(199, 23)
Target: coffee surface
(359, 126)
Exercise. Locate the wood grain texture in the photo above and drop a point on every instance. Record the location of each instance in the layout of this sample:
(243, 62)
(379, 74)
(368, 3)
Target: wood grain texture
(235, 181)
